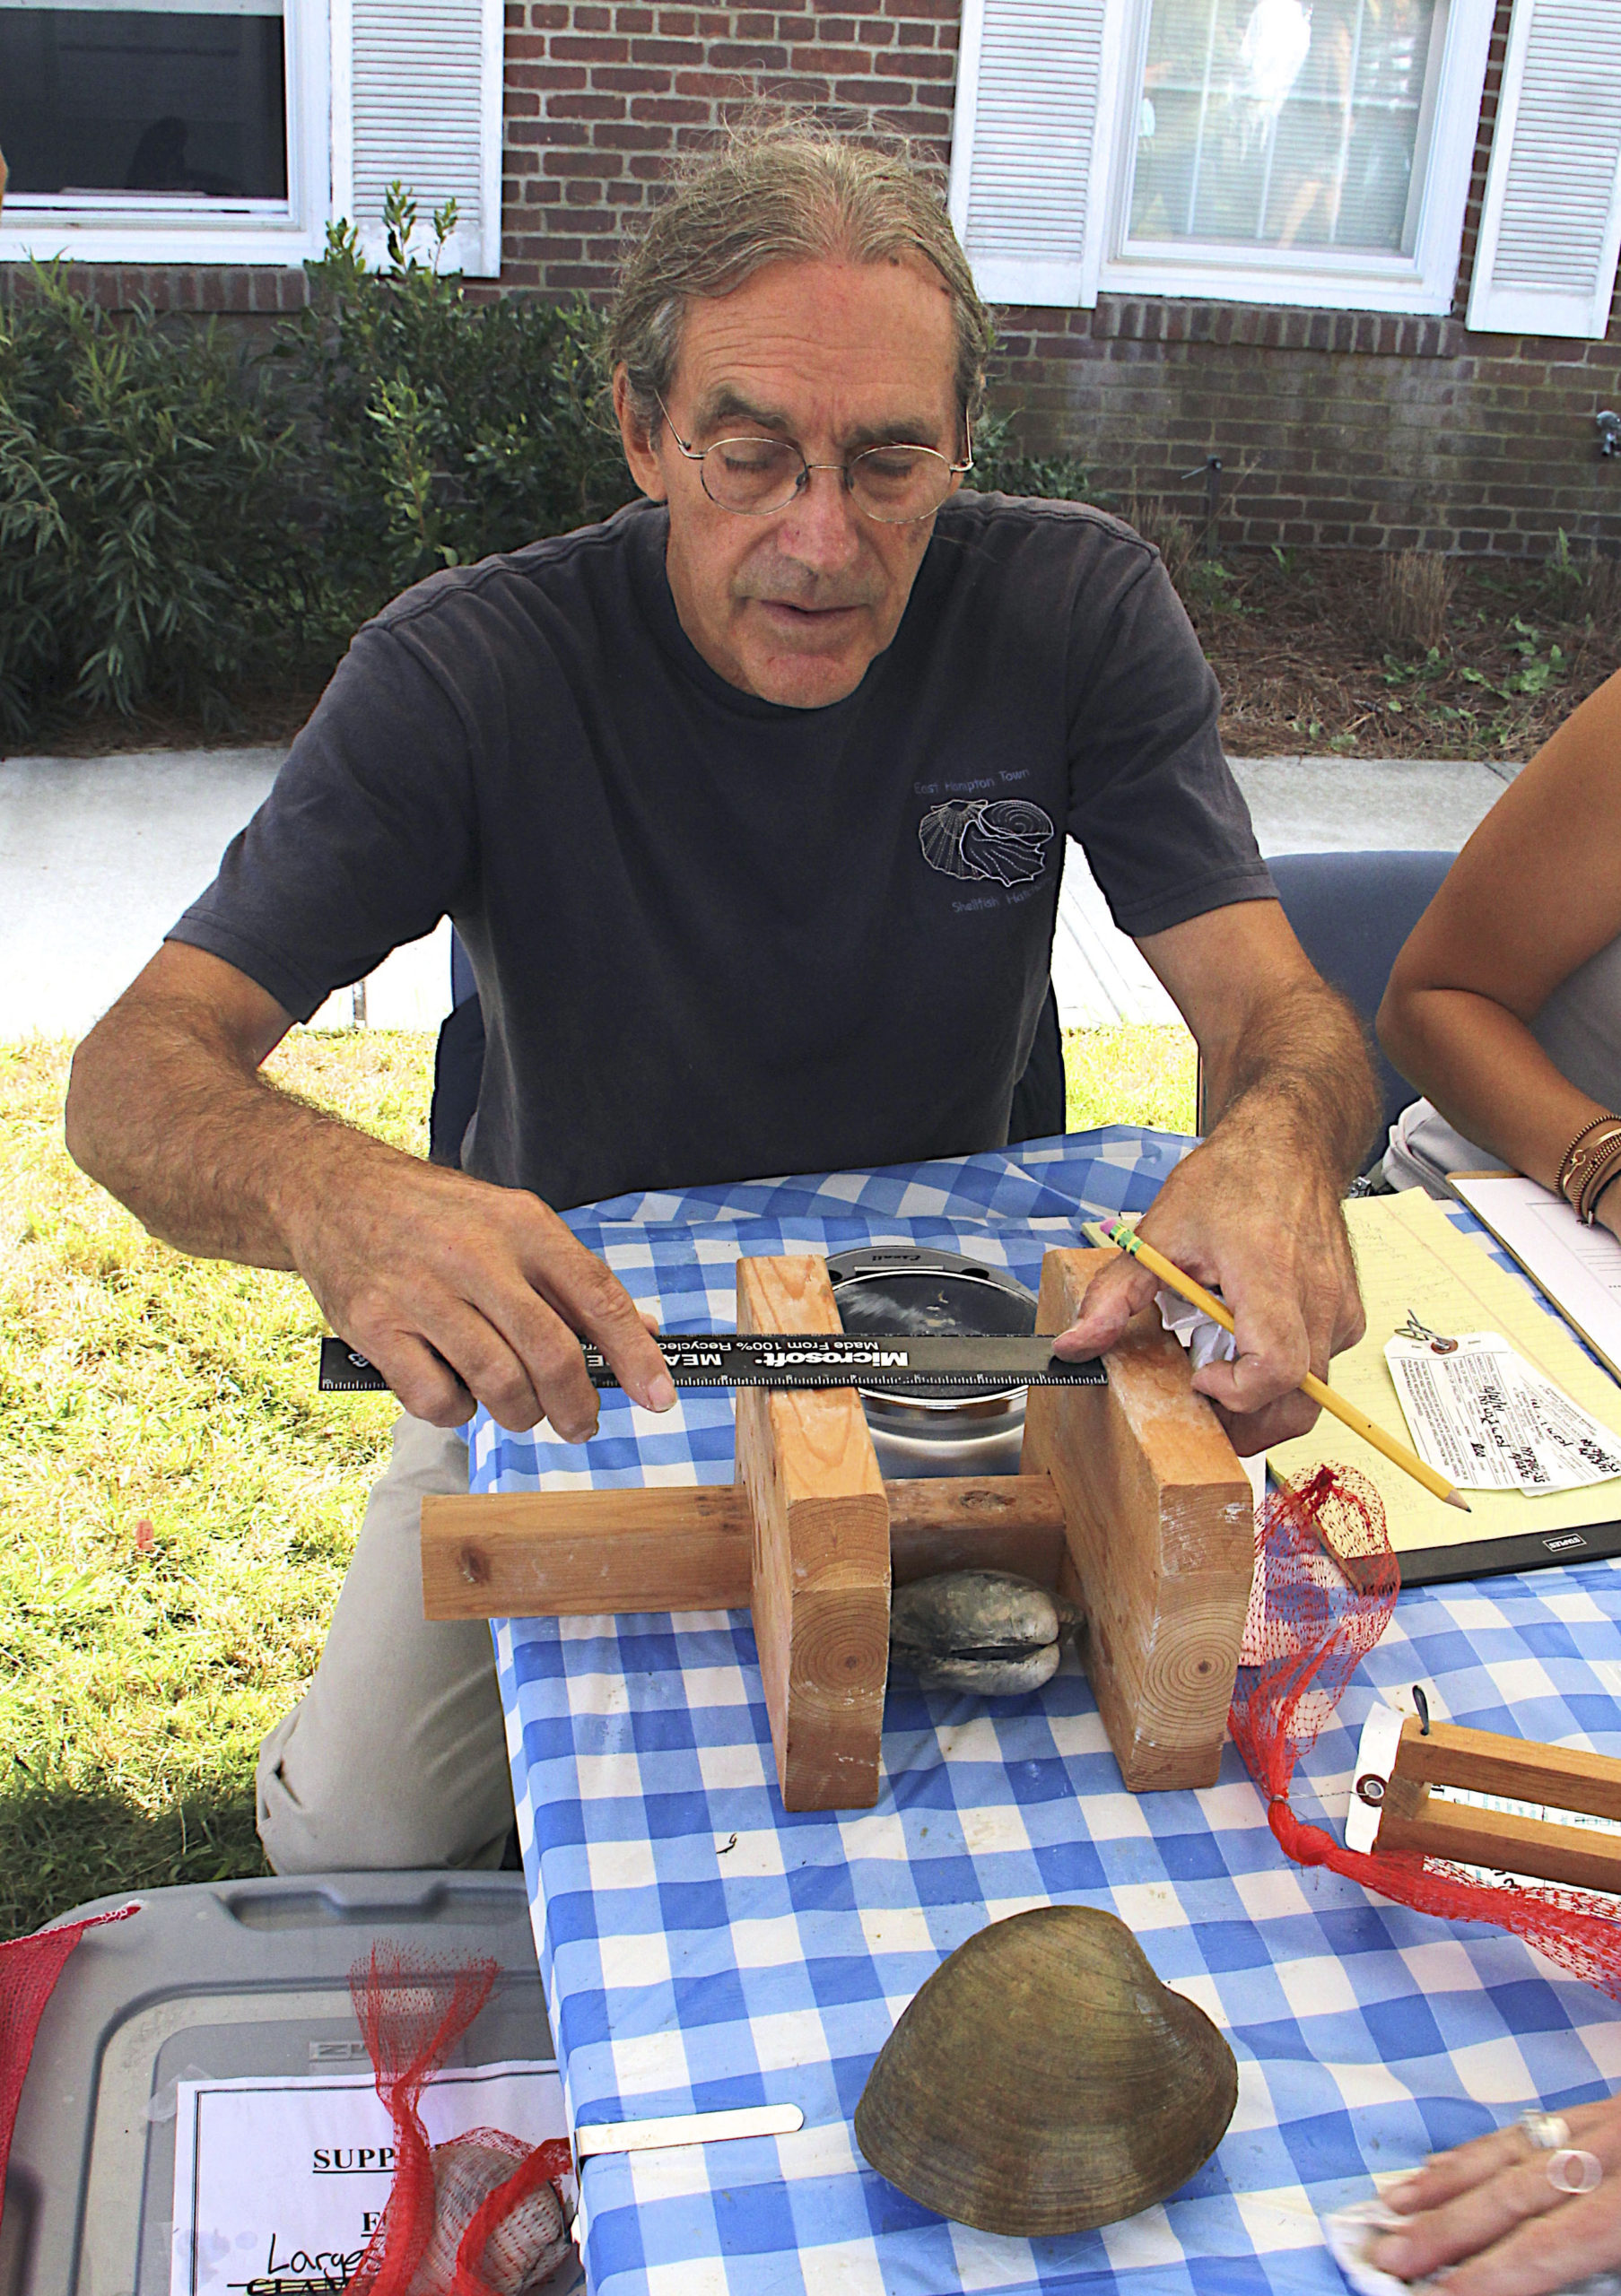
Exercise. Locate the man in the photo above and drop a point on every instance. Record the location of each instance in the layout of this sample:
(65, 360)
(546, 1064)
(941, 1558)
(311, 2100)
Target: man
(749, 806)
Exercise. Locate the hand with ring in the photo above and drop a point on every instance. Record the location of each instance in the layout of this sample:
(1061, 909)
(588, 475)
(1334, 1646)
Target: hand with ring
(1534, 2209)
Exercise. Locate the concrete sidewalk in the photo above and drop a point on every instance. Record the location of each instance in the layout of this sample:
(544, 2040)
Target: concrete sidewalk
(99, 856)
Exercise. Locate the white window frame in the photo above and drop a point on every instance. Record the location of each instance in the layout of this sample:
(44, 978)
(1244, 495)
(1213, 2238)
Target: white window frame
(180, 230)
(1320, 279)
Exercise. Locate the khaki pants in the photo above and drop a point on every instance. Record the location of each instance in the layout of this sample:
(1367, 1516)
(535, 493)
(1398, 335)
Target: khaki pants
(395, 1757)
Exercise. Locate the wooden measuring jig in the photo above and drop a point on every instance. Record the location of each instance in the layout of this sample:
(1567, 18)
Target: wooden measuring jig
(1130, 1501)
(1393, 1807)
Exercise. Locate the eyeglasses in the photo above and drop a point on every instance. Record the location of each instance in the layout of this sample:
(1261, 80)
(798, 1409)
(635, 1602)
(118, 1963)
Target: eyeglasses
(894, 484)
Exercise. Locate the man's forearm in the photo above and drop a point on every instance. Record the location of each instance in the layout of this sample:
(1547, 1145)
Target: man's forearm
(209, 1156)
(458, 1291)
(1297, 1067)
(1255, 1213)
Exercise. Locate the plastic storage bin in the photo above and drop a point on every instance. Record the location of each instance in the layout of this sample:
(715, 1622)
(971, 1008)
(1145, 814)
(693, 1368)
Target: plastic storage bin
(229, 1977)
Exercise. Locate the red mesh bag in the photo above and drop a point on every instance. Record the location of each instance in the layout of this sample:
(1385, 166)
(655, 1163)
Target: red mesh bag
(1326, 1582)
(480, 2215)
(29, 1970)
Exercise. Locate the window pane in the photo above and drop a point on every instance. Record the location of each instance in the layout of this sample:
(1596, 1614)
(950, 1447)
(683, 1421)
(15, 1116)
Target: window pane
(142, 101)
(1280, 123)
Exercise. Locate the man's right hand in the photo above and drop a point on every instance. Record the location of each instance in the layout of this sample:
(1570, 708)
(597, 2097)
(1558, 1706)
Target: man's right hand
(458, 1290)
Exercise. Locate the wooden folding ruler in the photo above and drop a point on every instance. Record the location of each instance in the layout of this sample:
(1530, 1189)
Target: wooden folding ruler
(1401, 1760)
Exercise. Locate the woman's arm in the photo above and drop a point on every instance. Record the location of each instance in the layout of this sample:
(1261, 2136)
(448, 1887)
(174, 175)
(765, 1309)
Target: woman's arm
(1490, 2211)
(1535, 892)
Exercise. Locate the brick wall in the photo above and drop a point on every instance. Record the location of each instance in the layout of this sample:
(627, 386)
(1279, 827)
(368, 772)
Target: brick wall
(1333, 426)
(254, 294)
(600, 99)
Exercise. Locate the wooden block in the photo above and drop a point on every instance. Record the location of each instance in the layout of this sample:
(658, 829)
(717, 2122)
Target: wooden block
(975, 1522)
(1515, 1770)
(821, 1562)
(1161, 1536)
(569, 1553)
(574, 1554)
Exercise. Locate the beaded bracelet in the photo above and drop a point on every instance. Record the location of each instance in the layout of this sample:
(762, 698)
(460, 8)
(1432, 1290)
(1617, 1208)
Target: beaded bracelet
(1577, 1166)
(1603, 1167)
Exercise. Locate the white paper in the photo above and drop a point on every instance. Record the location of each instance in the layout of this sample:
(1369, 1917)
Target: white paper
(1578, 1267)
(1490, 1420)
(1375, 1758)
(1350, 2232)
(279, 2183)
(1206, 1340)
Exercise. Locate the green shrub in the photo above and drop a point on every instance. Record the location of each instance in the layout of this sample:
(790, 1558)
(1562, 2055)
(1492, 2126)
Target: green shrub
(180, 519)
(1001, 466)
(145, 550)
(438, 429)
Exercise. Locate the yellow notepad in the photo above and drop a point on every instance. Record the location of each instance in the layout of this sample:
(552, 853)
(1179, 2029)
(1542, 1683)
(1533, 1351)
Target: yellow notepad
(1410, 1259)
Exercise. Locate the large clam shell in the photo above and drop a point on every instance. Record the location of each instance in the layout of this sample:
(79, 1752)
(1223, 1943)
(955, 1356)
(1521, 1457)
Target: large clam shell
(1044, 2081)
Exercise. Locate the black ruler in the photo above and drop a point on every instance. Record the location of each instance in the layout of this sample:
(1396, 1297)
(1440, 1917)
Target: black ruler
(346, 1372)
(958, 1366)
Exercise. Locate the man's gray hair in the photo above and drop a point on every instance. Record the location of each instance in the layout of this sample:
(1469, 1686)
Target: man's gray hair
(786, 193)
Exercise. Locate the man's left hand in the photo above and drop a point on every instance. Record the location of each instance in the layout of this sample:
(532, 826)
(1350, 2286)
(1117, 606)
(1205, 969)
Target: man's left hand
(1255, 1213)
(1274, 1244)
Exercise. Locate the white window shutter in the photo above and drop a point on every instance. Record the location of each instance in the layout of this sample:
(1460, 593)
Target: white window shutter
(1030, 144)
(1550, 230)
(416, 98)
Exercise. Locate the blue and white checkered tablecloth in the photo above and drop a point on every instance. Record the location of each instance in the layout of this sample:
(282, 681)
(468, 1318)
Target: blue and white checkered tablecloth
(700, 1948)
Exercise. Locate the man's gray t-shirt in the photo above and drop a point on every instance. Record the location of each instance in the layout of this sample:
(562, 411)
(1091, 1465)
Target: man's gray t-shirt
(716, 938)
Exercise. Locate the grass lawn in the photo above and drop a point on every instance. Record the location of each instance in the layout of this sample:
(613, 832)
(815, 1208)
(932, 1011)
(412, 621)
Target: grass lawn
(179, 1503)
(1123, 1074)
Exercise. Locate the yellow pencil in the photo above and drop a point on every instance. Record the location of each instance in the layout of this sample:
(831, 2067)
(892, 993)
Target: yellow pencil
(1104, 1231)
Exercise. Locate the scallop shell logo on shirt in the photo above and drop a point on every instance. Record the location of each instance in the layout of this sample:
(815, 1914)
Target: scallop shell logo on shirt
(1004, 840)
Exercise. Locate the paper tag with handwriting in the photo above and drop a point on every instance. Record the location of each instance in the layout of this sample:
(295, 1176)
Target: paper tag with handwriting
(1490, 1420)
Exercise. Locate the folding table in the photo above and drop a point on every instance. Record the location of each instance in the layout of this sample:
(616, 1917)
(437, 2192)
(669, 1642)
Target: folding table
(701, 1949)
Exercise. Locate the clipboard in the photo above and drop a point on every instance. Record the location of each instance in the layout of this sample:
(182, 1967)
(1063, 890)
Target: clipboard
(1410, 1259)
(1578, 1269)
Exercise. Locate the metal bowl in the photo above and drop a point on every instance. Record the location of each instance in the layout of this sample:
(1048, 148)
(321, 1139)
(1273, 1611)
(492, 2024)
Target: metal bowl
(896, 1290)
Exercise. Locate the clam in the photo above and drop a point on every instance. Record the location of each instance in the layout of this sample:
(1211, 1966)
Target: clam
(990, 1632)
(1045, 2080)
